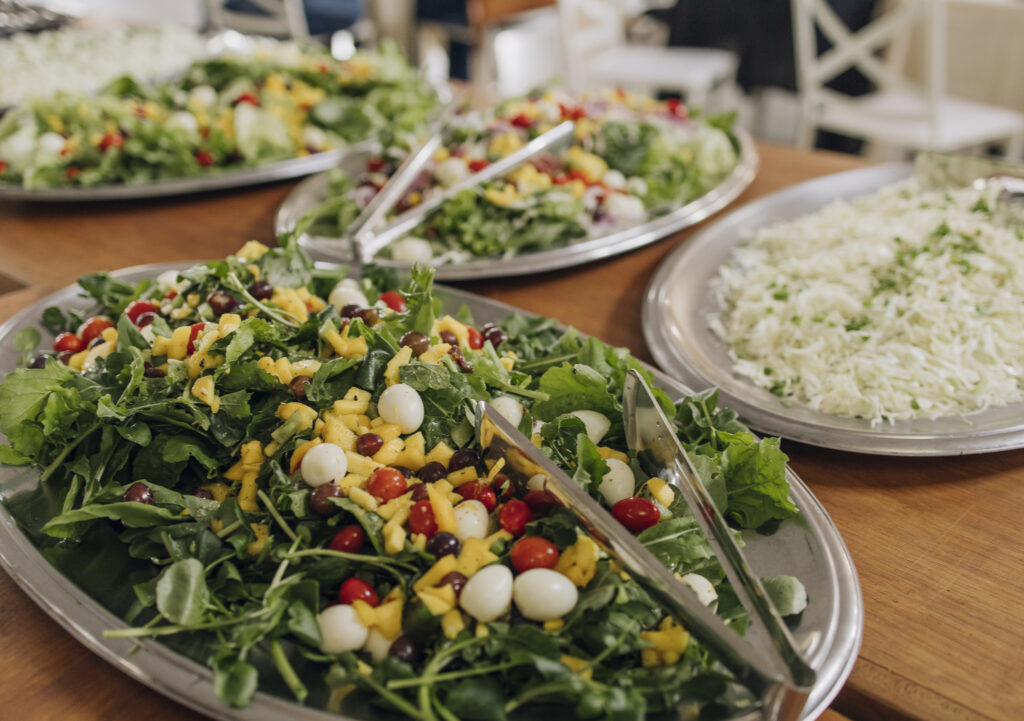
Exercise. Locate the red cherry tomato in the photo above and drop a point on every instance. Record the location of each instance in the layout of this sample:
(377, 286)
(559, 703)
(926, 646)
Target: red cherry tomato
(386, 483)
(94, 327)
(476, 341)
(375, 165)
(112, 140)
(538, 501)
(475, 166)
(138, 307)
(68, 342)
(421, 519)
(514, 516)
(521, 121)
(72, 172)
(349, 539)
(676, 107)
(247, 98)
(356, 589)
(205, 158)
(393, 300)
(636, 514)
(3, 167)
(479, 492)
(194, 330)
(533, 552)
(571, 113)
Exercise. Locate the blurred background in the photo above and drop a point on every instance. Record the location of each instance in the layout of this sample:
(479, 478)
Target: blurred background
(878, 77)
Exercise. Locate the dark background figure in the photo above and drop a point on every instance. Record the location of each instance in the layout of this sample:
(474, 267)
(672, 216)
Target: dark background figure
(322, 16)
(452, 13)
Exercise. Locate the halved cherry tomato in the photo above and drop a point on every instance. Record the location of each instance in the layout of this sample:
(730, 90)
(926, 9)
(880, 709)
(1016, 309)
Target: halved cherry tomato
(475, 166)
(194, 330)
(533, 552)
(514, 516)
(636, 514)
(477, 491)
(247, 98)
(356, 589)
(539, 501)
(349, 539)
(387, 483)
(476, 341)
(521, 121)
(68, 342)
(393, 300)
(138, 307)
(421, 519)
(205, 158)
(112, 140)
(94, 327)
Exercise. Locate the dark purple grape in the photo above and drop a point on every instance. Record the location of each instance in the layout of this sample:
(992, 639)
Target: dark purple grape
(145, 319)
(203, 493)
(369, 316)
(319, 503)
(261, 290)
(419, 343)
(298, 386)
(65, 356)
(419, 492)
(39, 361)
(494, 334)
(464, 365)
(153, 372)
(448, 337)
(221, 302)
(432, 472)
(463, 458)
(96, 341)
(368, 444)
(139, 492)
(350, 311)
(454, 579)
(442, 543)
(403, 649)
(407, 472)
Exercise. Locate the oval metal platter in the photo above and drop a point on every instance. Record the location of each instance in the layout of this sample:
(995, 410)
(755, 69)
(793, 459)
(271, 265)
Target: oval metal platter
(281, 170)
(809, 547)
(681, 296)
(312, 191)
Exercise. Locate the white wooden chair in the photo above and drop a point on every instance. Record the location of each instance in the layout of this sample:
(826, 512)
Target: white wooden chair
(899, 113)
(283, 18)
(597, 54)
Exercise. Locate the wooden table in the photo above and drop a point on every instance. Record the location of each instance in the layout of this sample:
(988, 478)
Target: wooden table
(937, 543)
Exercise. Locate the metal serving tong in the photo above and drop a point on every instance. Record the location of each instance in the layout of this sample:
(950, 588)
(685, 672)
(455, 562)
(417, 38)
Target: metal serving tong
(774, 671)
(367, 242)
(943, 170)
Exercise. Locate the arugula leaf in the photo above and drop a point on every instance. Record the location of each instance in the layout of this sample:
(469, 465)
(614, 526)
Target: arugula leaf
(131, 514)
(574, 387)
(181, 592)
(755, 477)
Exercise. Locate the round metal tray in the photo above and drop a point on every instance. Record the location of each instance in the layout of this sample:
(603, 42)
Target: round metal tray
(809, 547)
(312, 191)
(680, 298)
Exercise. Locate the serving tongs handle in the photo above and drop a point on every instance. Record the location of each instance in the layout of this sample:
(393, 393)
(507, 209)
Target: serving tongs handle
(371, 243)
(780, 698)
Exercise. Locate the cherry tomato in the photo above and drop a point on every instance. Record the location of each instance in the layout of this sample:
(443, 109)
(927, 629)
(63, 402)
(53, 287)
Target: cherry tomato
(93, 327)
(387, 483)
(112, 140)
(356, 589)
(138, 307)
(349, 539)
(205, 158)
(676, 107)
(571, 113)
(636, 514)
(247, 98)
(476, 341)
(3, 167)
(375, 165)
(477, 491)
(475, 166)
(421, 519)
(538, 501)
(533, 552)
(194, 330)
(521, 121)
(514, 516)
(72, 172)
(393, 300)
(68, 342)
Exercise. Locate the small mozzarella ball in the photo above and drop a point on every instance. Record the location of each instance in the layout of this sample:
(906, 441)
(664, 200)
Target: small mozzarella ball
(314, 137)
(625, 207)
(510, 409)
(450, 171)
(637, 186)
(488, 594)
(472, 520)
(614, 179)
(401, 404)
(597, 424)
(182, 120)
(537, 482)
(341, 630)
(50, 143)
(347, 292)
(537, 425)
(704, 589)
(549, 112)
(542, 594)
(412, 250)
(325, 463)
(203, 96)
(377, 645)
(618, 483)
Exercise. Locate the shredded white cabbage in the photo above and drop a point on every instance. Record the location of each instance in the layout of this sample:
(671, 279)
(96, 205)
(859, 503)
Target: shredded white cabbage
(902, 304)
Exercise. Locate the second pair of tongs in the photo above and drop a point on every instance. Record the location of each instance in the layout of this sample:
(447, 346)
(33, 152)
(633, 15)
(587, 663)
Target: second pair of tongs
(774, 670)
(367, 240)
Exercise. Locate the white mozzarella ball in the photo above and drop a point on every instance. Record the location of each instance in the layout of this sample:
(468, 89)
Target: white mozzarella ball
(50, 144)
(401, 404)
(325, 463)
(314, 137)
(203, 96)
(597, 424)
(472, 520)
(347, 292)
(618, 483)
(614, 179)
(340, 629)
(637, 186)
(185, 121)
(537, 425)
(377, 645)
(625, 207)
(542, 594)
(509, 408)
(538, 482)
(549, 112)
(412, 250)
(488, 594)
(450, 171)
(704, 589)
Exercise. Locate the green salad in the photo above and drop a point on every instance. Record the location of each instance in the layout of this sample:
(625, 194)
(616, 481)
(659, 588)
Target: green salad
(228, 112)
(277, 469)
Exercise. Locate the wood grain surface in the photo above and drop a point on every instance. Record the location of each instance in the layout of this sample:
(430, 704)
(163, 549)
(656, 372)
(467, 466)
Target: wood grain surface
(937, 542)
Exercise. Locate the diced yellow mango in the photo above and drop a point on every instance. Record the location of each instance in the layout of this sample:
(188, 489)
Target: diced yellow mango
(252, 250)
(219, 491)
(344, 346)
(475, 554)
(441, 568)
(448, 323)
(247, 493)
(203, 390)
(412, 455)
(336, 432)
(392, 369)
(285, 411)
(301, 451)
(394, 538)
(553, 624)
(661, 491)
(306, 368)
(440, 453)
(363, 465)
(389, 452)
(669, 643)
(444, 513)
(606, 453)
(579, 561)
(389, 617)
(352, 480)
(367, 613)
(363, 499)
(578, 665)
(228, 322)
(261, 531)
(397, 509)
(452, 623)
(438, 600)
(434, 354)
(462, 476)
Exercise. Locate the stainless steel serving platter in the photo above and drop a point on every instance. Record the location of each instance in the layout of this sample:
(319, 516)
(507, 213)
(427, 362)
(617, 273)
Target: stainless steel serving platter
(681, 296)
(810, 547)
(312, 191)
